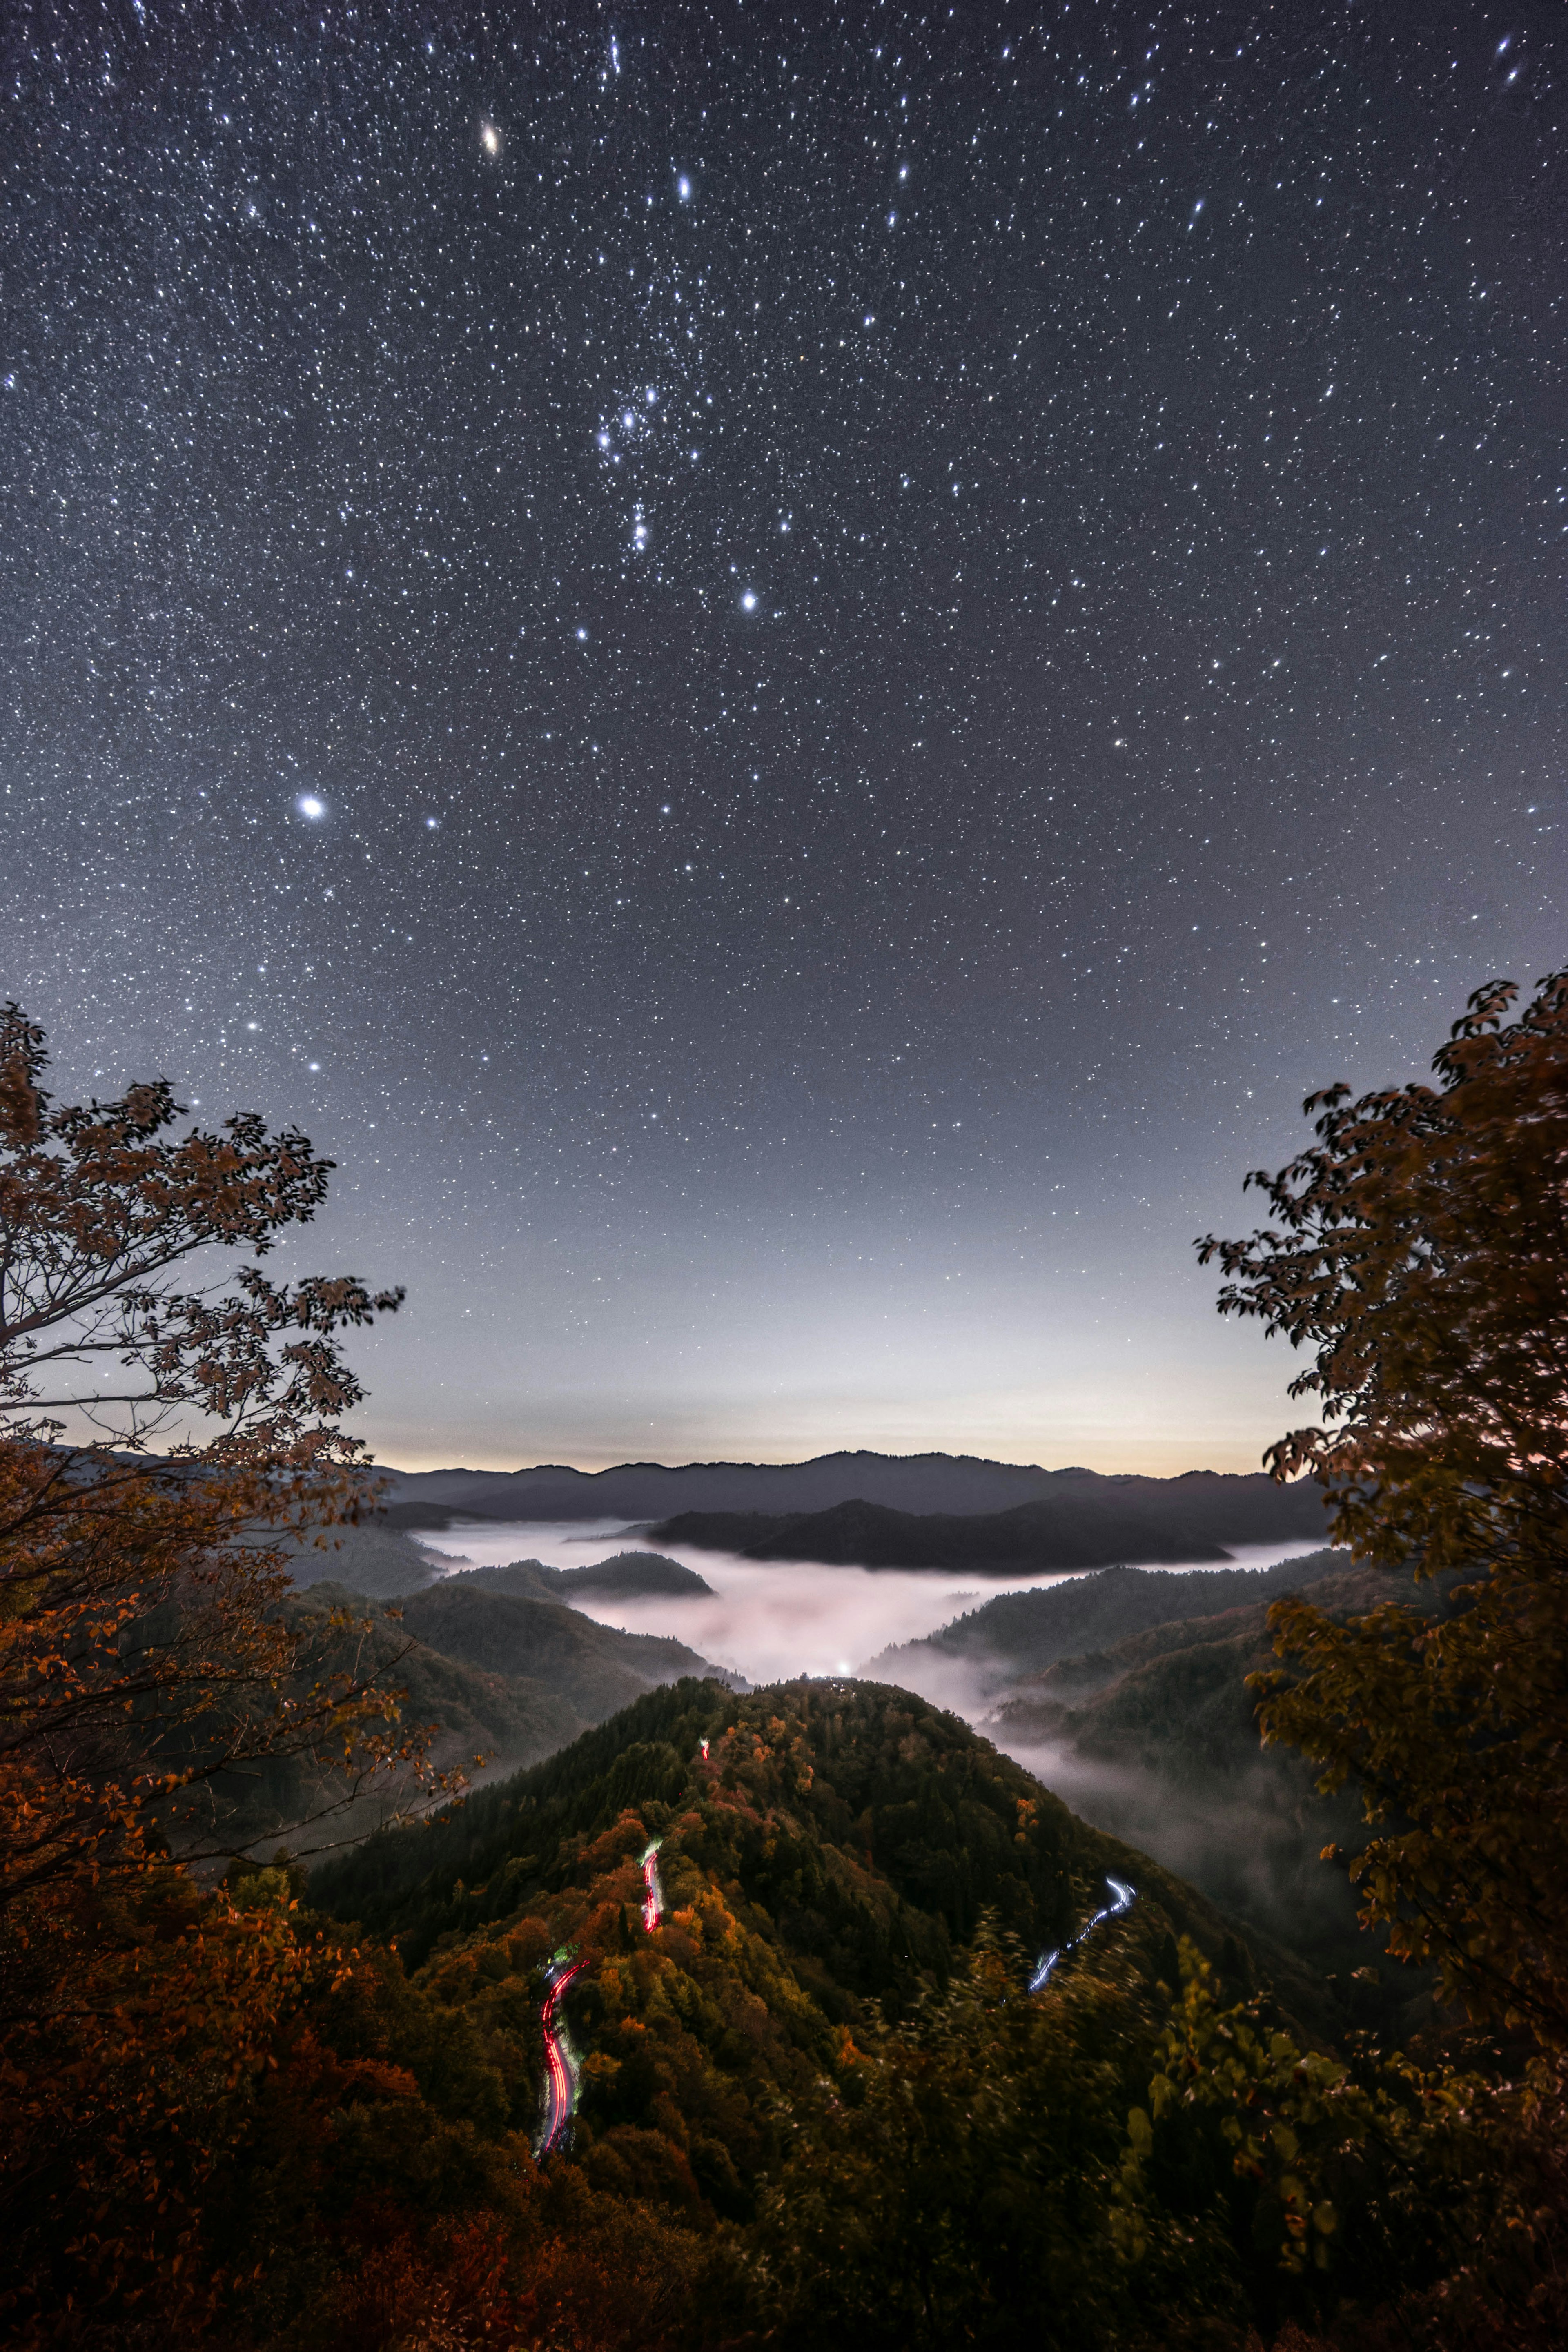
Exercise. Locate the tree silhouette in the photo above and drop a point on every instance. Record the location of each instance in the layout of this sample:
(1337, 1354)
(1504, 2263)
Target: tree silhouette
(1421, 1252)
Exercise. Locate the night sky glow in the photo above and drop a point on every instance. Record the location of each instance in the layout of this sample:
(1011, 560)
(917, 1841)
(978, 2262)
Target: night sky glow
(789, 673)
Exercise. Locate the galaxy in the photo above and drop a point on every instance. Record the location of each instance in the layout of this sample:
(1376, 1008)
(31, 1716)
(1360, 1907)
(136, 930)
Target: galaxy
(790, 673)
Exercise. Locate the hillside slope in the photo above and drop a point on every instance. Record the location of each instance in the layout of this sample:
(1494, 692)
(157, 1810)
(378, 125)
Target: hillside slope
(1154, 1738)
(1019, 1633)
(597, 1668)
(374, 1558)
(503, 1676)
(809, 2090)
(860, 1833)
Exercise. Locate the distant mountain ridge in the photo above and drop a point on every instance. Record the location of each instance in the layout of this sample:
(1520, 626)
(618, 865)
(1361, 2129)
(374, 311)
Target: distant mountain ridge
(643, 1490)
(917, 1484)
(384, 1562)
(1089, 1523)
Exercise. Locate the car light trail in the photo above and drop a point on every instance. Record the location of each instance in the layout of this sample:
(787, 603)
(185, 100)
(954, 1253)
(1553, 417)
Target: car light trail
(1124, 1895)
(561, 2070)
(653, 1894)
(560, 2058)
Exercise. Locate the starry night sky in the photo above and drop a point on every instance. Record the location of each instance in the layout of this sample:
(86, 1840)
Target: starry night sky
(789, 673)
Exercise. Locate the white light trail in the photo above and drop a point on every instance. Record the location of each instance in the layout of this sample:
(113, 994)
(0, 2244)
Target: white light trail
(1124, 1896)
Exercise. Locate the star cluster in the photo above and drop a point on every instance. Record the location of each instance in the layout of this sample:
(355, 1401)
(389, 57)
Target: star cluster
(791, 670)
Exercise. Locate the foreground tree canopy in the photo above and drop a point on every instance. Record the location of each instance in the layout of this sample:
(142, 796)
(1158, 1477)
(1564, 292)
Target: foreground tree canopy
(820, 2090)
(1420, 1251)
(148, 1669)
(143, 1661)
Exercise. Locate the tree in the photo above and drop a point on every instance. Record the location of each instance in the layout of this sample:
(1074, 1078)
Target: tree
(144, 1659)
(148, 1660)
(1421, 1252)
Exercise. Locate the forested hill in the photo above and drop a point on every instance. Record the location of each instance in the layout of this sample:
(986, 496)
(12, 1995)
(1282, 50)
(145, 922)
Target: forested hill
(854, 1833)
(500, 1673)
(1086, 1523)
(1020, 1633)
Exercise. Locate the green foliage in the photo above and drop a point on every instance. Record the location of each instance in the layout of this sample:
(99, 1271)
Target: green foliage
(956, 2181)
(1298, 2163)
(1452, 1733)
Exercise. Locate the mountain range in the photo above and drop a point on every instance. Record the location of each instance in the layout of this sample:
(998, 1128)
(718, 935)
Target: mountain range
(647, 1490)
(877, 1510)
(1084, 1522)
(920, 1483)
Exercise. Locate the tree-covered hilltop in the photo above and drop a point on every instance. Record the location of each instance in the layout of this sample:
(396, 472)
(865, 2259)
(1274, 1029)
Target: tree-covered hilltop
(867, 1830)
(834, 1855)
(817, 2097)
(1021, 1633)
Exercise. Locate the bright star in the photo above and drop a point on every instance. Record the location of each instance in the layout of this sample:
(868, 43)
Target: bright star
(308, 806)
(749, 602)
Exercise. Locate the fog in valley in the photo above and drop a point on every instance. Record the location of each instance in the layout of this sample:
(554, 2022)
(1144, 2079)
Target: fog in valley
(770, 1620)
(1239, 1835)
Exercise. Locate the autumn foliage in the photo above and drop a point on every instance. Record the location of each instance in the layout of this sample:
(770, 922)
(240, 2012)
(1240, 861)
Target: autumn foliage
(819, 2101)
(1420, 1254)
(146, 1669)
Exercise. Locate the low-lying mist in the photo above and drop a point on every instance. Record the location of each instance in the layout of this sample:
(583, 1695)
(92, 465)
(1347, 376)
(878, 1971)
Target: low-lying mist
(1253, 1845)
(771, 1620)
(1246, 1828)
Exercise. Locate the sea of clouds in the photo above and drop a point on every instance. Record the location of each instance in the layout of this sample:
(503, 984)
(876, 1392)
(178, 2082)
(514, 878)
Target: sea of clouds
(771, 1619)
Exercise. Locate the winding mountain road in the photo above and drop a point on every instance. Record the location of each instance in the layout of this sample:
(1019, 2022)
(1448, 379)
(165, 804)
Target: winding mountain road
(561, 2068)
(560, 2058)
(1123, 1896)
(653, 1893)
